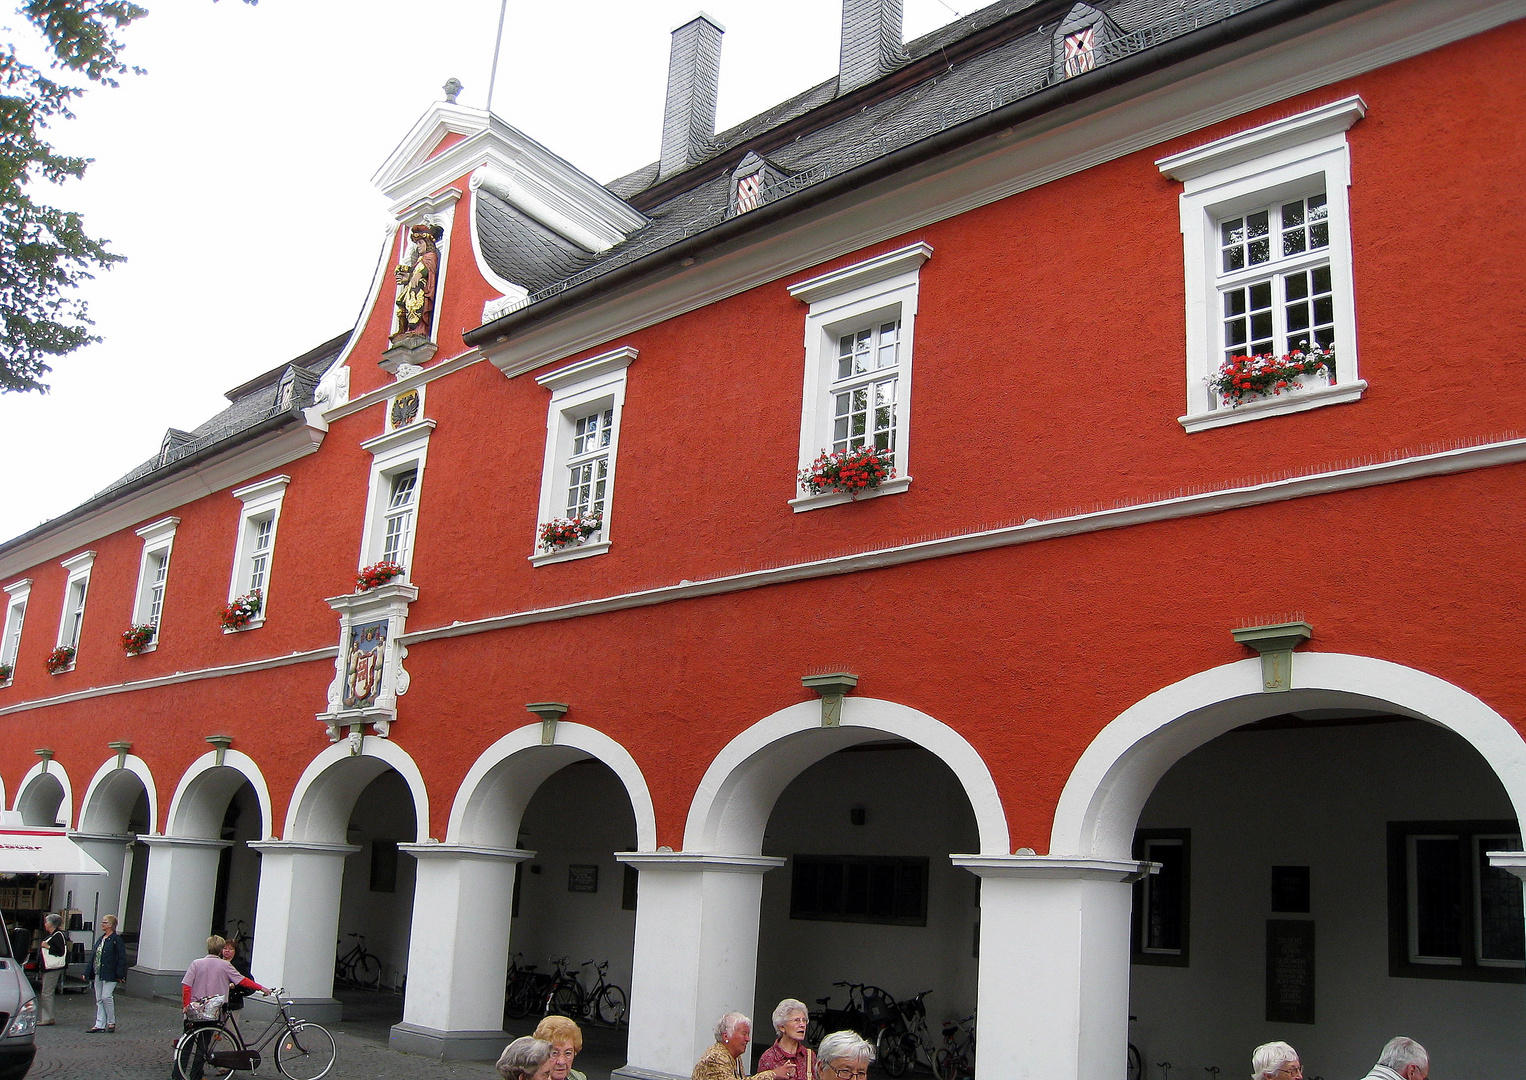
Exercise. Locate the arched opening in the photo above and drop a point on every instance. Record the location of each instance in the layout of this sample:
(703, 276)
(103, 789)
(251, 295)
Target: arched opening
(1325, 877)
(221, 803)
(41, 802)
(531, 849)
(117, 809)
(867, 893)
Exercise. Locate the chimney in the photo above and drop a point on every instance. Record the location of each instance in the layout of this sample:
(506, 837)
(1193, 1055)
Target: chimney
(694, 69)
(871, 42)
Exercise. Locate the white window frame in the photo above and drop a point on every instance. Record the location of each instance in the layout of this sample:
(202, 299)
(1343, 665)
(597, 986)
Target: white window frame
(17, 594)
(153, 570)
(1280, 161)
(578, 390)
(261, 502)
(393, 454)
(844, 301)
(71, 621)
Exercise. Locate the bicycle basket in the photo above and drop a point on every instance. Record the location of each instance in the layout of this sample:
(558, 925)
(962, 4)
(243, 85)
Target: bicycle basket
(877, 1006)
(206, 1009)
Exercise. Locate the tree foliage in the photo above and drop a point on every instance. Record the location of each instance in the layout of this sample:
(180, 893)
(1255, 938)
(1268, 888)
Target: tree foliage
(45, 252)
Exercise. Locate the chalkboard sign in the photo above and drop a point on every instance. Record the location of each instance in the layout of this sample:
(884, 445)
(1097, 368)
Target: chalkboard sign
(1290, 971)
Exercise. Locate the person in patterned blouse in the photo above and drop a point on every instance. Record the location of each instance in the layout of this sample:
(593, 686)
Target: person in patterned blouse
(723, 1061)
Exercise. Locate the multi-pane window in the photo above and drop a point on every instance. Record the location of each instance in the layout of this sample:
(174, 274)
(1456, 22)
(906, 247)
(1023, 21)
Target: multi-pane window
(15, 615)
(1160, 932)
(397, 527)
(1452, 914)
(159, 569)
(860, 888)
(153, 574)
(588, 463)
(262, 533)
(74, 611)
(1275, 280)
(864, 390)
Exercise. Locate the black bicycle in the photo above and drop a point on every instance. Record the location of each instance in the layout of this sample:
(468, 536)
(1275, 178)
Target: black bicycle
(869, 1010)
(905, 1042)
(303, 1050)
(358, 967)
(956, 1060)
(566, 995)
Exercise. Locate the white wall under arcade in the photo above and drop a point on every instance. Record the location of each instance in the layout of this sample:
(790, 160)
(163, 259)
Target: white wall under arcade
(912, 806)
(383, 812)
(579, 817)
(1322, 797)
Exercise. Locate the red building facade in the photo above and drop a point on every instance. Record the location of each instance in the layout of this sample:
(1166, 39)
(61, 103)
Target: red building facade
(1052, 614)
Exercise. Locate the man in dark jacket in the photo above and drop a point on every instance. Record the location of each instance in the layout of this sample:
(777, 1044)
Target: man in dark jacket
(105, 971)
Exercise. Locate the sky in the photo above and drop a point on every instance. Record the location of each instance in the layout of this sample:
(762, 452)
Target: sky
(235, 175)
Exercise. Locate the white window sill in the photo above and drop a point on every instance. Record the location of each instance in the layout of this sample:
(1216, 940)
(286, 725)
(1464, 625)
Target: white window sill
(6, 683)
(1295, 402)
(252, 624)
(150, 647)
(567, 554)
(62, 670)
(837, 498)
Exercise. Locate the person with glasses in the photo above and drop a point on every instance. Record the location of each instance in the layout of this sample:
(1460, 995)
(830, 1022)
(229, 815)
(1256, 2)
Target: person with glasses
(723, 1061)
(1402, 1059)
(789, 1057)
(843, 1055)
(1275, 1061)
(566, 1040)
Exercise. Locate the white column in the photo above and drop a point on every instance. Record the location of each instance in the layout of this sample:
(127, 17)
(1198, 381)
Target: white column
(298, 920)
(96, 896)
(696, 954)
(1054, 965)
(463, 902)
(177, 911)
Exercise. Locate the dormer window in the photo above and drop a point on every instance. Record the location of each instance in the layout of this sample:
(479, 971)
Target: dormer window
(754, 182)
(1081, 41)
(1080, 51)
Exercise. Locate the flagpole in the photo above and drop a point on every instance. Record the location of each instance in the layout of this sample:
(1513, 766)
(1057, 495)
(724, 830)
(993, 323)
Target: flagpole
(492, 79)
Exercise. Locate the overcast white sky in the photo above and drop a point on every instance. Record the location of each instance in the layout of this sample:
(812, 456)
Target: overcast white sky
(235, 176)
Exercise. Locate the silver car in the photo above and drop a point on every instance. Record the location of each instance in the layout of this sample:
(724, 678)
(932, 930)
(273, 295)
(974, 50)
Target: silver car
(18, 1016)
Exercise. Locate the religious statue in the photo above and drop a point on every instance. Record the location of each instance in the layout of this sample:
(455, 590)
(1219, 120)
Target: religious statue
(417, 279)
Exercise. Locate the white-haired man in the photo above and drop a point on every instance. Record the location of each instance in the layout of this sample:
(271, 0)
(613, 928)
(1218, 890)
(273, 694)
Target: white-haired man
(723, 1061)
(1402, 1059)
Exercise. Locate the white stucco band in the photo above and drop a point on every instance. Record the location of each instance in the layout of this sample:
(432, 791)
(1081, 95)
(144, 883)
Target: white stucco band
(58, 773)
(110, 795)
(319, 811)
(1106, 791)
(201, 800)
(739, 790)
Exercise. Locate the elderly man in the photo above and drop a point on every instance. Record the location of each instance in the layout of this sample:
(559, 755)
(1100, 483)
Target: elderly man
(1275, 1061)
(723, 1061)
(1402, 1059)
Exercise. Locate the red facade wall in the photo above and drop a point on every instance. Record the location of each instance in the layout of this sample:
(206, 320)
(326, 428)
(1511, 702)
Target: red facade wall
(1048, 377)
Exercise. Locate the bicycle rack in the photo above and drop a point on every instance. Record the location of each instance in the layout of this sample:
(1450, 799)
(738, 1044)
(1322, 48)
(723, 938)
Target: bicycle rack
(1165, 1068)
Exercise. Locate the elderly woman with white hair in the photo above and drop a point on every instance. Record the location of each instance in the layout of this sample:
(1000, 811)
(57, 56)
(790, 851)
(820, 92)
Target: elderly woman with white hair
(843, 1055)
(723, 1061)
(526, 1058)
(1275, 1061)
(789, 1058)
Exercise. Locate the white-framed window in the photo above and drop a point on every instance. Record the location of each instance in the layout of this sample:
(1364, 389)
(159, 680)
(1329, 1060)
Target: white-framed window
(255, 544)
(76, 592)
(153, 575)
(392, 501)
(858, 352)
(1266, 237)
(17, 593)
(582, 442)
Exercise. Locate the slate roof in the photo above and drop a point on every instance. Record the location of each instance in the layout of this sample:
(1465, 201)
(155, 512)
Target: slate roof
(990, 79)
(249, 405)
(521, 249)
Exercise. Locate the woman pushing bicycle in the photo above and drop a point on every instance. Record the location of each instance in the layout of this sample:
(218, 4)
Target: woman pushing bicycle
(212, 976)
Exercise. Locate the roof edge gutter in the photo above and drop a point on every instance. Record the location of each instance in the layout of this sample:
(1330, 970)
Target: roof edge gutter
(1051, 98)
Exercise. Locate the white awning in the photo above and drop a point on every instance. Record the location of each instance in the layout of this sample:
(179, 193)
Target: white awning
(28, 851)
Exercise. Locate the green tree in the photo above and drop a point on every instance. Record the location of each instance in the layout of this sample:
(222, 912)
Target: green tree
(45, 252)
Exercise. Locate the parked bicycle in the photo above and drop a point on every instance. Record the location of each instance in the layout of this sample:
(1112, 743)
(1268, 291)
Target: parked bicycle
(869, 1010)
(524, 988)
(302, 1050)
(956, 1060)
(905, 1042)
(358, 967)
(567, 996)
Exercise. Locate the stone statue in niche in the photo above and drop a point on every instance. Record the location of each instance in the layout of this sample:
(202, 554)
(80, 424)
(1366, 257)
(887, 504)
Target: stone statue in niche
(416, 279)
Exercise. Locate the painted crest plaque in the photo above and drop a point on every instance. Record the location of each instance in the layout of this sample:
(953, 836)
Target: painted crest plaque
(364, 664)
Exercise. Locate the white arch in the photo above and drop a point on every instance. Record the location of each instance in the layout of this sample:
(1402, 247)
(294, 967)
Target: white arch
(325, 794)
(1108, 787)
(493, 797)
(109, 798)
(58, 773)
(201, 798)
(738, 792)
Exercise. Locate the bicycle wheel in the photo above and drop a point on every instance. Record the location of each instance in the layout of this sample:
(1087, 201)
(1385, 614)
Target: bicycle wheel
(815, 1031)
(609, 1006)
(305, 1052)
(196, 1048)
(519, 999)
(565, 1000)
(946, 1065)
(367, 972)
(1136, 1064)
(890, 1052)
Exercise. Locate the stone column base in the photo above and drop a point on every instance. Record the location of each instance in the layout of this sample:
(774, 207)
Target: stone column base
(448, 1045)
(149, 983)
(636, 1072)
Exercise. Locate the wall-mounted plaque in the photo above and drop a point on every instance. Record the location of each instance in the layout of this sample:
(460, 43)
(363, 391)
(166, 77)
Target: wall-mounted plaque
(582, 878)
(1290, 971)
(1290, 889)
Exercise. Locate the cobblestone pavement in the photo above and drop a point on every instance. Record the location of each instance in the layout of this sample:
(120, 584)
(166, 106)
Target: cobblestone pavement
(145, 1038)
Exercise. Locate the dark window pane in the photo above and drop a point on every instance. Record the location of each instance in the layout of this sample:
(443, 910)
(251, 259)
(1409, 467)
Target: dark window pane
(1438, 897)
(1261, 295)
(1163, 914)
(1296, 286)
(1234, 302)
(1321, 279)
(1502, 923)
